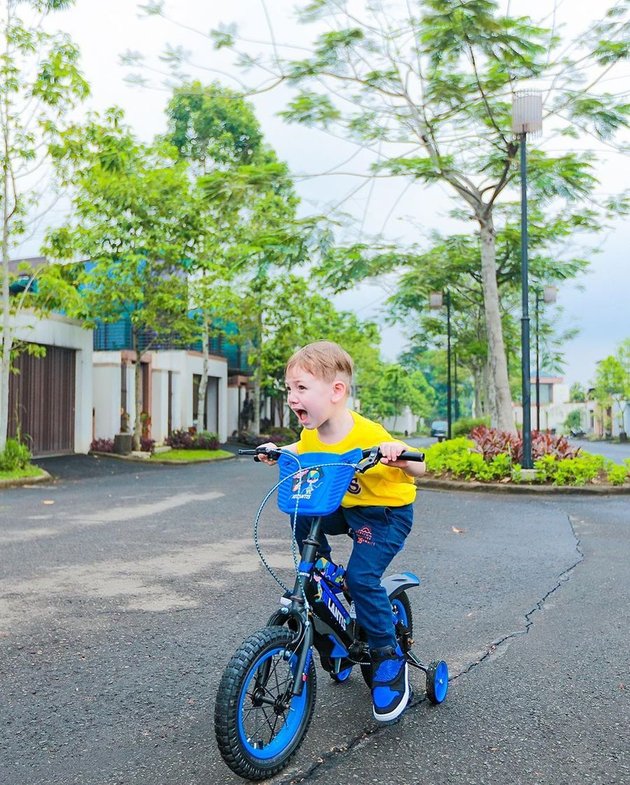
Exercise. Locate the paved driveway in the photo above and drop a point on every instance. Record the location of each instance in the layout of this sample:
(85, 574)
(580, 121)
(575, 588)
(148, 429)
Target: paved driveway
(123, 594)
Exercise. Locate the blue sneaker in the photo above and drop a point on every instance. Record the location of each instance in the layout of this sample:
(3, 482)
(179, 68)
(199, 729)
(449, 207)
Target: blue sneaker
(390, 683)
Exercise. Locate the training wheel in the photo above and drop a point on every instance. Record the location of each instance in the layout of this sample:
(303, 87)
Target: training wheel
(437, 681)
(342, 676)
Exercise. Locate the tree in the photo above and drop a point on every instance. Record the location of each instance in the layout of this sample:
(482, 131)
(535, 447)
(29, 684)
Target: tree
(137, 220)
(577, 393)
(612, 381)
(391, 389)
(429, 81)
(40, 84)
(452, 264)
(217, 134)
(611, 385)
(295, 314)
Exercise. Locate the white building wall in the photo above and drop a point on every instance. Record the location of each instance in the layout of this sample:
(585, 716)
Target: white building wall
(406, 421)
(184, 365)
(58, 330)
(107, 403)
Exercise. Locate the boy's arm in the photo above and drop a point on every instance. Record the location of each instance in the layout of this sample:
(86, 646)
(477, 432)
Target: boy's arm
(391, 451)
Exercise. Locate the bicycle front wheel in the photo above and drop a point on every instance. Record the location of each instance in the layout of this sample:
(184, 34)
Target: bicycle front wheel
(258, 724)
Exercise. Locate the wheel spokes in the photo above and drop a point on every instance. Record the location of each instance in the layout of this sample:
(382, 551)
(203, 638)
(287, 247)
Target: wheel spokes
(268, 702)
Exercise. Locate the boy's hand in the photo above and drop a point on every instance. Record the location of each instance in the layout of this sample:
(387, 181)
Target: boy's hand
(262, 457)
(390, 452)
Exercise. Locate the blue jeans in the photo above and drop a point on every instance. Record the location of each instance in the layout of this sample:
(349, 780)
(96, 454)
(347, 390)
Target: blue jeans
(379, 533)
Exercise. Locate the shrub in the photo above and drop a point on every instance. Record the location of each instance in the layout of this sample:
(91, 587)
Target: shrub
(441, 456)
(491, 442)
(191, 440)
(102, 445)
(15, 456)
(557, 462)
(465, 425)
(147, 444)
(277, 435)
(617, 475)
(570, 471)
(181, 440)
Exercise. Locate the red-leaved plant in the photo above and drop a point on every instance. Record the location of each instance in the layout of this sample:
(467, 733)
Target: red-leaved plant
(491, 442)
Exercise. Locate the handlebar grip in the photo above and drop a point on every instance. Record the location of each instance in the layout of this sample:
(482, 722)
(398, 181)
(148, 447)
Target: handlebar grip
(411, 456)
(406, 455)
(273, 454)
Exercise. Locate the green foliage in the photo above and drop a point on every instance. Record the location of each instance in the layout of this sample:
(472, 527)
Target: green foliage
(617, 475)
(388, 389)
(573, 420)
(40, 84)
(213, 126)
(574, 471)
(440, 455)
(577, 393)
(459, 459)
(15, 456)
(464, 425)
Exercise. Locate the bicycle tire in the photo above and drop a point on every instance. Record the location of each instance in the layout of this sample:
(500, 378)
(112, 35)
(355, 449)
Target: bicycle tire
(261, 666)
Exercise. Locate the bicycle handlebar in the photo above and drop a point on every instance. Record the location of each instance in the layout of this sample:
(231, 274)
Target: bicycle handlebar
(373, 453)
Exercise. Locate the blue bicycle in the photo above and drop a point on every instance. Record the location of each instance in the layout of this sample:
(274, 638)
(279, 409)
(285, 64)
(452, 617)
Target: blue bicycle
(266, 696)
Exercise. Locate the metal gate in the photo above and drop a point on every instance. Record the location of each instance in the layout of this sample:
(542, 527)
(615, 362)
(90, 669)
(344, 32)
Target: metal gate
(42, 401)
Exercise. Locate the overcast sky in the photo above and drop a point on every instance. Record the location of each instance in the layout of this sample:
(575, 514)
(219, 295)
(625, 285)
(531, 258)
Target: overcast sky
(598, 304)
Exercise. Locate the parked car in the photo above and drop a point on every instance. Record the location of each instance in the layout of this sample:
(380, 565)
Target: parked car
(439, 428)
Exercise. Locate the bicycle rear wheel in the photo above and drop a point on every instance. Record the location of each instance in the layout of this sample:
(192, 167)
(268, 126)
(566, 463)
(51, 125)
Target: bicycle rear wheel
(258, 724)
(403, 621)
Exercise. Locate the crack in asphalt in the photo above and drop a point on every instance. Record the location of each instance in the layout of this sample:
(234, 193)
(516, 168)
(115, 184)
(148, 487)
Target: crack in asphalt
(331, 757)
(529, 621)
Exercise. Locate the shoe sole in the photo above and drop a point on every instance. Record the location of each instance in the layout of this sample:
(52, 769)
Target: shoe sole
(395, 713)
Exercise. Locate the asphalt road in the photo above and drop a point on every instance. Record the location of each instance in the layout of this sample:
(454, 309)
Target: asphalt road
(125, 588)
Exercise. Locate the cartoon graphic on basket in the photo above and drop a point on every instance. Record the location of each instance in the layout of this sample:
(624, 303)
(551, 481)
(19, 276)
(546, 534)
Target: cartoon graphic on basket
(306, 481)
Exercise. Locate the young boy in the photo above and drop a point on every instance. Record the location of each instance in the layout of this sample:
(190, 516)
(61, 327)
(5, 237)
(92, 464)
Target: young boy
(377, 507)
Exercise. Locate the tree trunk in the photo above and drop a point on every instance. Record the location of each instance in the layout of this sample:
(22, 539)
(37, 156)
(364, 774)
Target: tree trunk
(203, 384)
(480, 386)
(256, 396)
(5, 367)
(7, 327)
(137, 421)
(498, 391)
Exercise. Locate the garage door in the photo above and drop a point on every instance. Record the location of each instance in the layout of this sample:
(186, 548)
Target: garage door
(42, 401)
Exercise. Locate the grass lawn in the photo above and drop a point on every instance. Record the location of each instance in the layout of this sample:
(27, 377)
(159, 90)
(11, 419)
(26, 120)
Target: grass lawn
(190, 455)
(18, 474)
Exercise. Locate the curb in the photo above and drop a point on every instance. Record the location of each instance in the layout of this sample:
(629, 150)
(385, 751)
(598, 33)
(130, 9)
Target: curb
(44, 477)
(486, 487)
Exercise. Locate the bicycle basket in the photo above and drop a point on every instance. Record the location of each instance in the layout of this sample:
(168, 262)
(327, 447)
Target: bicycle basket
(316, 487)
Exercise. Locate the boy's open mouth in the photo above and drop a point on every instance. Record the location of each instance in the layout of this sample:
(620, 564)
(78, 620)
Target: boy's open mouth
(301, 414)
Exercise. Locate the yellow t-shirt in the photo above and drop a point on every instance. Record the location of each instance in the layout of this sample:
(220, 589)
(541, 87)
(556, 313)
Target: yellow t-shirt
(382, 486)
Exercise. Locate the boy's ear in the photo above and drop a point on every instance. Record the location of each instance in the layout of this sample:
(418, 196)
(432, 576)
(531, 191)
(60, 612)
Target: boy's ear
(339, 390)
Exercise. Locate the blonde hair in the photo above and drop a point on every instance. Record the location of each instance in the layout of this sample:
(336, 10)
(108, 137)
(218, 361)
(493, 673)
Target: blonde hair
(324, 359)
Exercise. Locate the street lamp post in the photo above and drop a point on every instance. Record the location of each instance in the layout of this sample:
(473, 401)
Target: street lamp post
(526, 119)
(438, 300)
(547, 295)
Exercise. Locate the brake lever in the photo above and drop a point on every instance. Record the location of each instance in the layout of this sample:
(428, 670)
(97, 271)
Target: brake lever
(369, 461)
(273, 454)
